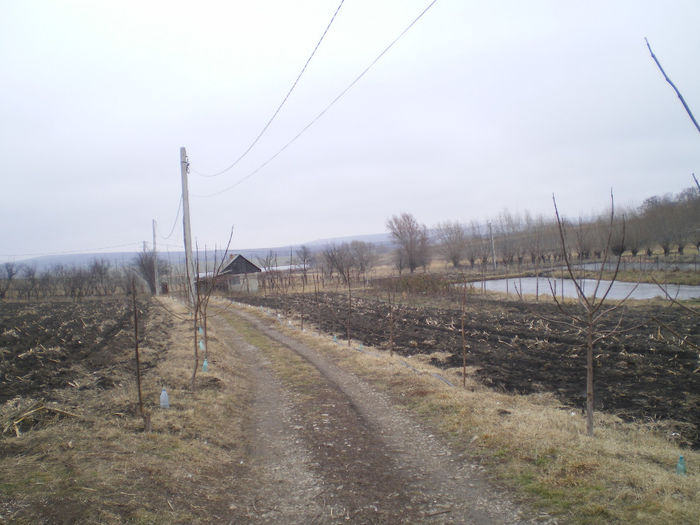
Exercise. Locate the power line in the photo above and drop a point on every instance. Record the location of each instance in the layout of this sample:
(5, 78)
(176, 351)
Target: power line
(323, 112)
(177, 215)
(70, 252)
(274, 115)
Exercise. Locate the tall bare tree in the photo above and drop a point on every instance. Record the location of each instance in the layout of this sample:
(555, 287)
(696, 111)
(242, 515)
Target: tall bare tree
(363, 255)
(306, 260)
(411, 239)
(452, 239)
(339, 258)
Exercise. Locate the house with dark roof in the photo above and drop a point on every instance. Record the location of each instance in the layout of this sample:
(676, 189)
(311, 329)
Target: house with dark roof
(237, 275)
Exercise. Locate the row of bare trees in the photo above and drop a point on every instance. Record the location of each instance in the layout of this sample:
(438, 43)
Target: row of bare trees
(665, 224)
(99, 278)
(23, 281)
(348, 261)
(344, 263)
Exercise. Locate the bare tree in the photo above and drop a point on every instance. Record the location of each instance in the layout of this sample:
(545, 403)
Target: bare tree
(268, 265)
(204, 287)
(480, 242)
(306, 260)
(100, 278)
(10, 269)
(145, 264)
(412, 241)
(508, 230)
(30, 281)
(453, 241)
(339, 258)
(589, 311)
(363, 255)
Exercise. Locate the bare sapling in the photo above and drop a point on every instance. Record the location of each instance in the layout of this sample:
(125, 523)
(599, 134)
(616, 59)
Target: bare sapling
(349, 315)
(197, 304)
(303, 302)
(205, 286)
(589, 310)
(140, 411)
(464, 339)
(317, 285)
(683, 340)
(390, 302)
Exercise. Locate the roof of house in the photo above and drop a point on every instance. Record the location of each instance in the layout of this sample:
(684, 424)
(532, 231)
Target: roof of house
(238, 264)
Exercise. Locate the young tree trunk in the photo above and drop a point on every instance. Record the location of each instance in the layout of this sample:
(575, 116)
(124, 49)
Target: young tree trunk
(196, 349)
(303, 301)
(146, 417)
(391, 320)
(347, 320)
(464, 342)
(589, 377)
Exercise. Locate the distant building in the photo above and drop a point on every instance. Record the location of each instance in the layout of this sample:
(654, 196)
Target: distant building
(238, 275)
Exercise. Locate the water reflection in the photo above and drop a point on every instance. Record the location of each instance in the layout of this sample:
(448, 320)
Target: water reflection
(566, 288)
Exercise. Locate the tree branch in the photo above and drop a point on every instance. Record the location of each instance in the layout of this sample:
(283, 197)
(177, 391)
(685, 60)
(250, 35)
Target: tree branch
(687, 109)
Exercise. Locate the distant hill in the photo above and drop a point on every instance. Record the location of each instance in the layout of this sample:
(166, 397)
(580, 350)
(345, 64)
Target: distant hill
(120, 259)
(381, 239)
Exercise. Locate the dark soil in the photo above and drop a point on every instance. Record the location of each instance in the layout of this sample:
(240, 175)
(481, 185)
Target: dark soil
(49, 345)
(642, 373)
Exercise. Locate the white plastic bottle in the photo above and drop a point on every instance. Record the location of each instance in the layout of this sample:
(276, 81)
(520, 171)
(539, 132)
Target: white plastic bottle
(164, 402)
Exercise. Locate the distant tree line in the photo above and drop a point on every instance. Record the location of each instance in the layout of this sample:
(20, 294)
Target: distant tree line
(98, 279)
(345, 263)
(666, 224)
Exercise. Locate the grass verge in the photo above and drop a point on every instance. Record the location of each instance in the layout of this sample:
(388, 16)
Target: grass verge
(101, 467)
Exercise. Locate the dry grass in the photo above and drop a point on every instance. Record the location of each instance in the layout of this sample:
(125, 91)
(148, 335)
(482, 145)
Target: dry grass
(102, 467)
(624, 474)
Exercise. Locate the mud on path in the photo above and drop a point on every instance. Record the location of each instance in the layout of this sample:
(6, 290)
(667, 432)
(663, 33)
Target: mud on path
(327, 448)
(638, 374)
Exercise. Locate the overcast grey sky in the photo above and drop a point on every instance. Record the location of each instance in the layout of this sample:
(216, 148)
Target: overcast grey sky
(480, 107)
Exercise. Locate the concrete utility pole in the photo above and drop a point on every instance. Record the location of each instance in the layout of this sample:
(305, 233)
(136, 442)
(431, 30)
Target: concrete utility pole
(187, 234)
(155, 260)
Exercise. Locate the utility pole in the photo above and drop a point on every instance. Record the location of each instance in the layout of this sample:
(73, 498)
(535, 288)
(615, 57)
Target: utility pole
(187, 234)
(155, 260)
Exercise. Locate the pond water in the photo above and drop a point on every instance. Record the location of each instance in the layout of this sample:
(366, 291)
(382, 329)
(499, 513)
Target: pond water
(565, 288)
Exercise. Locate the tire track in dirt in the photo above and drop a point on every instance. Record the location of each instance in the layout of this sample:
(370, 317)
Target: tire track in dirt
(279, 484)
(376, 464)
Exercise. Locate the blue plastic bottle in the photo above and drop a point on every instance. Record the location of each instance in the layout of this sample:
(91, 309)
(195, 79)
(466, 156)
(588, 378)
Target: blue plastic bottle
(205, 365)
(680, 466)
(164, 402)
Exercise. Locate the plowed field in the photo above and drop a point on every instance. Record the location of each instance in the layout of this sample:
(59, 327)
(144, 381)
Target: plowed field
(641, 373)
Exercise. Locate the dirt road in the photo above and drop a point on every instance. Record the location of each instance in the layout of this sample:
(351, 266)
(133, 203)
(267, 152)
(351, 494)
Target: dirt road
(325, 447)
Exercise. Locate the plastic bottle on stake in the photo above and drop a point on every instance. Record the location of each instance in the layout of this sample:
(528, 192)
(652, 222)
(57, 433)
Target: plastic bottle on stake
(164, 401)
(680, 467)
